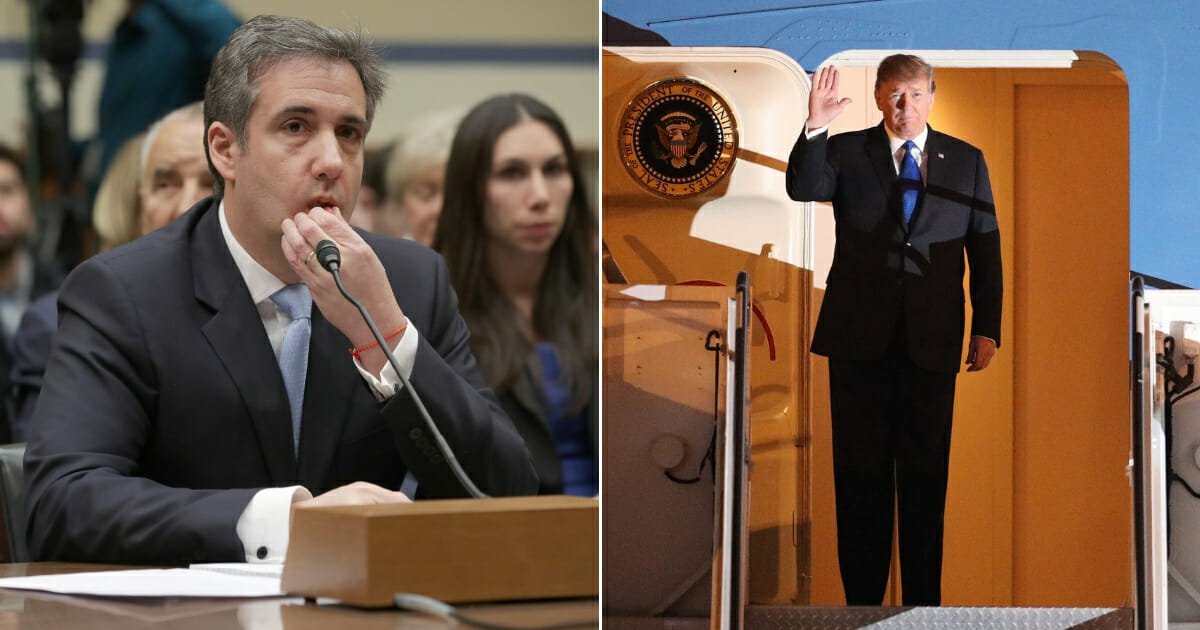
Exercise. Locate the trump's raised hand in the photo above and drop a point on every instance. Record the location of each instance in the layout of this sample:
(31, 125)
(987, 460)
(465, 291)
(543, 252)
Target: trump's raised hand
(823, 102)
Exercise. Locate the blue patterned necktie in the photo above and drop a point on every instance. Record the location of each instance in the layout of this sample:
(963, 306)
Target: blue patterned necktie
(910, 181)
(293, 357)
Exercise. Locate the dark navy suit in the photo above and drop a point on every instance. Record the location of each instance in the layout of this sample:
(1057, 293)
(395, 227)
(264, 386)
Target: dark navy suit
(891, 324)
(163, 409)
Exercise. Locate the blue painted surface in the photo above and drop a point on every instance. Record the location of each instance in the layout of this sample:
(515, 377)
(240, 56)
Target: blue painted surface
(15, 50)
(1156, 43)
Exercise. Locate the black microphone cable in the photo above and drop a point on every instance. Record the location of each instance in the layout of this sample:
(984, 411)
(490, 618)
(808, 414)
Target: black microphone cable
(330, 258)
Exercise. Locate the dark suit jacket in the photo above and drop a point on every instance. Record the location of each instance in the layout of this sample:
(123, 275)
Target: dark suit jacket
(164, 411)
(884, 270)
(523, 403)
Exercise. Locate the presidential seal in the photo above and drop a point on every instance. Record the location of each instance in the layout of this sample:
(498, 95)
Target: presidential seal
(678, 138)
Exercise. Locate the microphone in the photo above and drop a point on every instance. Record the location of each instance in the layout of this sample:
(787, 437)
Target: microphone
(330, 258)
(328, 255)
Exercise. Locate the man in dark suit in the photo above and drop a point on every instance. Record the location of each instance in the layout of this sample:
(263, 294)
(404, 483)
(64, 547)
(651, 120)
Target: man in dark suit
(892, 319)
(164, 433)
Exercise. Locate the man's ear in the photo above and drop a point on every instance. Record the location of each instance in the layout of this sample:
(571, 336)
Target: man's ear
(223, 150)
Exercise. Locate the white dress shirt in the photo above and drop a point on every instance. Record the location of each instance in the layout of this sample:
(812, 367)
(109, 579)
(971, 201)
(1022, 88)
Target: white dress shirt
(263, 525)
(897, 144)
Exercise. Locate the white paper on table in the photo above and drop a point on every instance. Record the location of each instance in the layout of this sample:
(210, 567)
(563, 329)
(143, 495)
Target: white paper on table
(150, 583)
(242, 568)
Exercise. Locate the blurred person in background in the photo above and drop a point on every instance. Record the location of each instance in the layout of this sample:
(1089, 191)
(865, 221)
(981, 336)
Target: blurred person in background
(370, 196)
(174, 171)
(22, 278)
(117, 211)
(155, 178)
(415, 177)
(516, 232)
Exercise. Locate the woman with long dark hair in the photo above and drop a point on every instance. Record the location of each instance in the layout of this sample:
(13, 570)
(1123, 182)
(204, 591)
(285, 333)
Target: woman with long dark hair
(517, 232)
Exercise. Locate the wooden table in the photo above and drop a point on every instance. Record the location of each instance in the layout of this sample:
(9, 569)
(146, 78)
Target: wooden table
(31, 609)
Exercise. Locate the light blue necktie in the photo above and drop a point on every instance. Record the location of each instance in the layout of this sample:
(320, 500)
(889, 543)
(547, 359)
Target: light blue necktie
(293, 357)
(910, 181)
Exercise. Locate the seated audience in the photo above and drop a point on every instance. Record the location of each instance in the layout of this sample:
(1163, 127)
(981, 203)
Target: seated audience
(415, 177)
(516, 233)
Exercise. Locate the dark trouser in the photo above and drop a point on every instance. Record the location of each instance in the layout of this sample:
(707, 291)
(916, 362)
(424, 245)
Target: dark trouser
(891, 438)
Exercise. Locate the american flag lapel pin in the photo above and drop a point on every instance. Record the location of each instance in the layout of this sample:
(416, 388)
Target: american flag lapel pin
(941, 156)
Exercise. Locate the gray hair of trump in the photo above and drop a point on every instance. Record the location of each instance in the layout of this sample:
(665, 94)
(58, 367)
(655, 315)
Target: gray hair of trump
(260, 44)
(904, 68)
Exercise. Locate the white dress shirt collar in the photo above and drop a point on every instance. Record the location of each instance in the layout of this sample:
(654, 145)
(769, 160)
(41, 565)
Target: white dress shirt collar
(897, 145)
(262, 283)
(896, 141)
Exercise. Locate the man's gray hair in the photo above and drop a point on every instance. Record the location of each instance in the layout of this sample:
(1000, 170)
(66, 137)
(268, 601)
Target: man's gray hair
(260, 44)
(187, 112)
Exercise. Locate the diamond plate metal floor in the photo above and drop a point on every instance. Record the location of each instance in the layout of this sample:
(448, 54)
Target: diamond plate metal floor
(884, 618)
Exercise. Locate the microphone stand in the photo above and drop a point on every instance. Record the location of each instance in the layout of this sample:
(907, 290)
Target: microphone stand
(330, 258)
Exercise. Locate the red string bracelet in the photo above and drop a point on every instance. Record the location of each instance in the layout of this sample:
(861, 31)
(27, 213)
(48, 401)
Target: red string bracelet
(354, 352)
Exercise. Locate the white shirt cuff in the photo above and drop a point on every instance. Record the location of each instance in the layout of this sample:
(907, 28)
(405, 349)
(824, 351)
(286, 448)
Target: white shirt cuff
(387, 382)
(263, 525)
(809, 135)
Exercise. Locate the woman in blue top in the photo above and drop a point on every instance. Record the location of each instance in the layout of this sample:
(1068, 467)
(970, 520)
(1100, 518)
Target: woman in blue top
(517, 234)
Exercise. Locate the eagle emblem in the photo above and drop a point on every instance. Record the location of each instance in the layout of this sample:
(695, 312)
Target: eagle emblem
(678, 133)
(678, 138)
